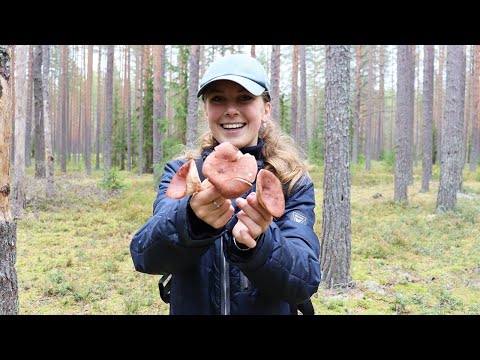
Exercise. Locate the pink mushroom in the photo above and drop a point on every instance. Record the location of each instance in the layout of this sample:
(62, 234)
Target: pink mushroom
(269, 193)
(230, 171)
(185, 182)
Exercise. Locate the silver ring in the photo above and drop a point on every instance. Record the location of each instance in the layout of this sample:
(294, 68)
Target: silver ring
(215, 203)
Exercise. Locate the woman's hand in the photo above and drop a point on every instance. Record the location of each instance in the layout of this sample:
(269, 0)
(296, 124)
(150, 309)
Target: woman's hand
(253, 220)
(211, 207)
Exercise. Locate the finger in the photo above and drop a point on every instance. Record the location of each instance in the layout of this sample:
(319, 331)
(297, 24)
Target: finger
(253, 228)
(253, 212)
(247, 239)
(252, 200)
(204, 197)
(220, 220)
(211, 211)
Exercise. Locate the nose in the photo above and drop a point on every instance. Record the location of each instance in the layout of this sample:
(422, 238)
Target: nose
(232, 109)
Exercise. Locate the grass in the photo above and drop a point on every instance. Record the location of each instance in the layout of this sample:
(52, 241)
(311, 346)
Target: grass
(73, 252)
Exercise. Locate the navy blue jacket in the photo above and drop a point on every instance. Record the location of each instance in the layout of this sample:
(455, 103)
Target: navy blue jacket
(210, 274)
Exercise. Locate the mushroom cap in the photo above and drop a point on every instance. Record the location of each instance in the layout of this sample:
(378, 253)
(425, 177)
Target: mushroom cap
(231, 172)
(185, 182)
(269, 193)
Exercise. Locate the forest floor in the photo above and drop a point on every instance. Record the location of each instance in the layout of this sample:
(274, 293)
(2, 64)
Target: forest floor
(73, 252)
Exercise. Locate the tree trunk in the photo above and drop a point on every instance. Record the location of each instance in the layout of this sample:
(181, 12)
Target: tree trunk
(159, 108)
(39, 128)
(302, 118)
(28, 123)
(452, 131)
(476, 112)
(8, 228)
(64, 106)
(410, 111)
(99, 112)
(356, 114)
(140, 110)
(439, 107)
(462, 117)
(336, 224)
(294, 95)
(192, 114)
(428, 71)
(88, 111)
(129, 113)
(275, 84)
(368, 127)
(401, 125)
(50, 192)
(107, 147)
(20, 118)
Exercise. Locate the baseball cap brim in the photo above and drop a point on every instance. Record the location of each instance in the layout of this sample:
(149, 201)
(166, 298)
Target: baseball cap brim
(249, 85)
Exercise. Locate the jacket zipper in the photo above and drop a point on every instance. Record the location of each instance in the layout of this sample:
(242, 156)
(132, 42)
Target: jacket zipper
(225, 282)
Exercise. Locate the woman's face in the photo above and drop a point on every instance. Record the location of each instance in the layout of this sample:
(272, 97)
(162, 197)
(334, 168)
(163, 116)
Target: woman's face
(234, 114)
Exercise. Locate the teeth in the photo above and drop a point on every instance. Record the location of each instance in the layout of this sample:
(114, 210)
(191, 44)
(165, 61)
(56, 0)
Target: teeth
(232, 126)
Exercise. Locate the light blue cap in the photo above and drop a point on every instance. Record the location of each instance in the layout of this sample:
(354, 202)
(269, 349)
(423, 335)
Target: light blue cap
(241, 68)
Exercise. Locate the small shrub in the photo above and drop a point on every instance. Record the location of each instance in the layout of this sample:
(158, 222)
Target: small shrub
(113, 182)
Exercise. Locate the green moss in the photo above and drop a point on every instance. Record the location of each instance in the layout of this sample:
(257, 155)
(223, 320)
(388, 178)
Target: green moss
(73, 251)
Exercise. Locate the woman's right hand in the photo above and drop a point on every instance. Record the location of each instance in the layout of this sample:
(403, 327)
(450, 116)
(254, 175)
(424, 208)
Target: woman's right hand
(211, 207)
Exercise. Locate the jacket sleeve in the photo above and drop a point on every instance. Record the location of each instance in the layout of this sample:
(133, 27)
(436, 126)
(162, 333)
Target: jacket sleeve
(285, 263)
(166, 243)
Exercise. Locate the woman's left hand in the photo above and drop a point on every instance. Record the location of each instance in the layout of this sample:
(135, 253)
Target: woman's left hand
(254, 220)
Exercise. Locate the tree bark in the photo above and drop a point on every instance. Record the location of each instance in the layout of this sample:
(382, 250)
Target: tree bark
(140, 110)
(275, 84)
(159, 108)
(192, 114)
(428, 71)
(99, 112)
(50, 192)
(476, 112)
(28, 123)
(356, 114)
(88, 111)
(8, 228)
(107, 147)
(401, 125)
(336, 224)
(294, 96)
(39, 126)
(20, 118)
(302, 118)
(452, 131)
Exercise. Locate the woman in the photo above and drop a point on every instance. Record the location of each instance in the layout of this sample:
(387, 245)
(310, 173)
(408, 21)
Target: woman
(230, 256)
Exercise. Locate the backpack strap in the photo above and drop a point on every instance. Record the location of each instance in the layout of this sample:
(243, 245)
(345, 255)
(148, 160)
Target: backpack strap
(164, 289)
(165, 282)
(306, 308)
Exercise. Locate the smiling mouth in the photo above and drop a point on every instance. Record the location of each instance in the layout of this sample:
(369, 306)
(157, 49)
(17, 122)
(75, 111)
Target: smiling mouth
(232, 126)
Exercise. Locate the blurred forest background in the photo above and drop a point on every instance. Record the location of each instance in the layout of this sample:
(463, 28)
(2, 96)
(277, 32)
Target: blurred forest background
(92, 126)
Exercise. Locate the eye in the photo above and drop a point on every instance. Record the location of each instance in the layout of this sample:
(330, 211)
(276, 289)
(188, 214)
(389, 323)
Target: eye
(216, 99)
(246, 98)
